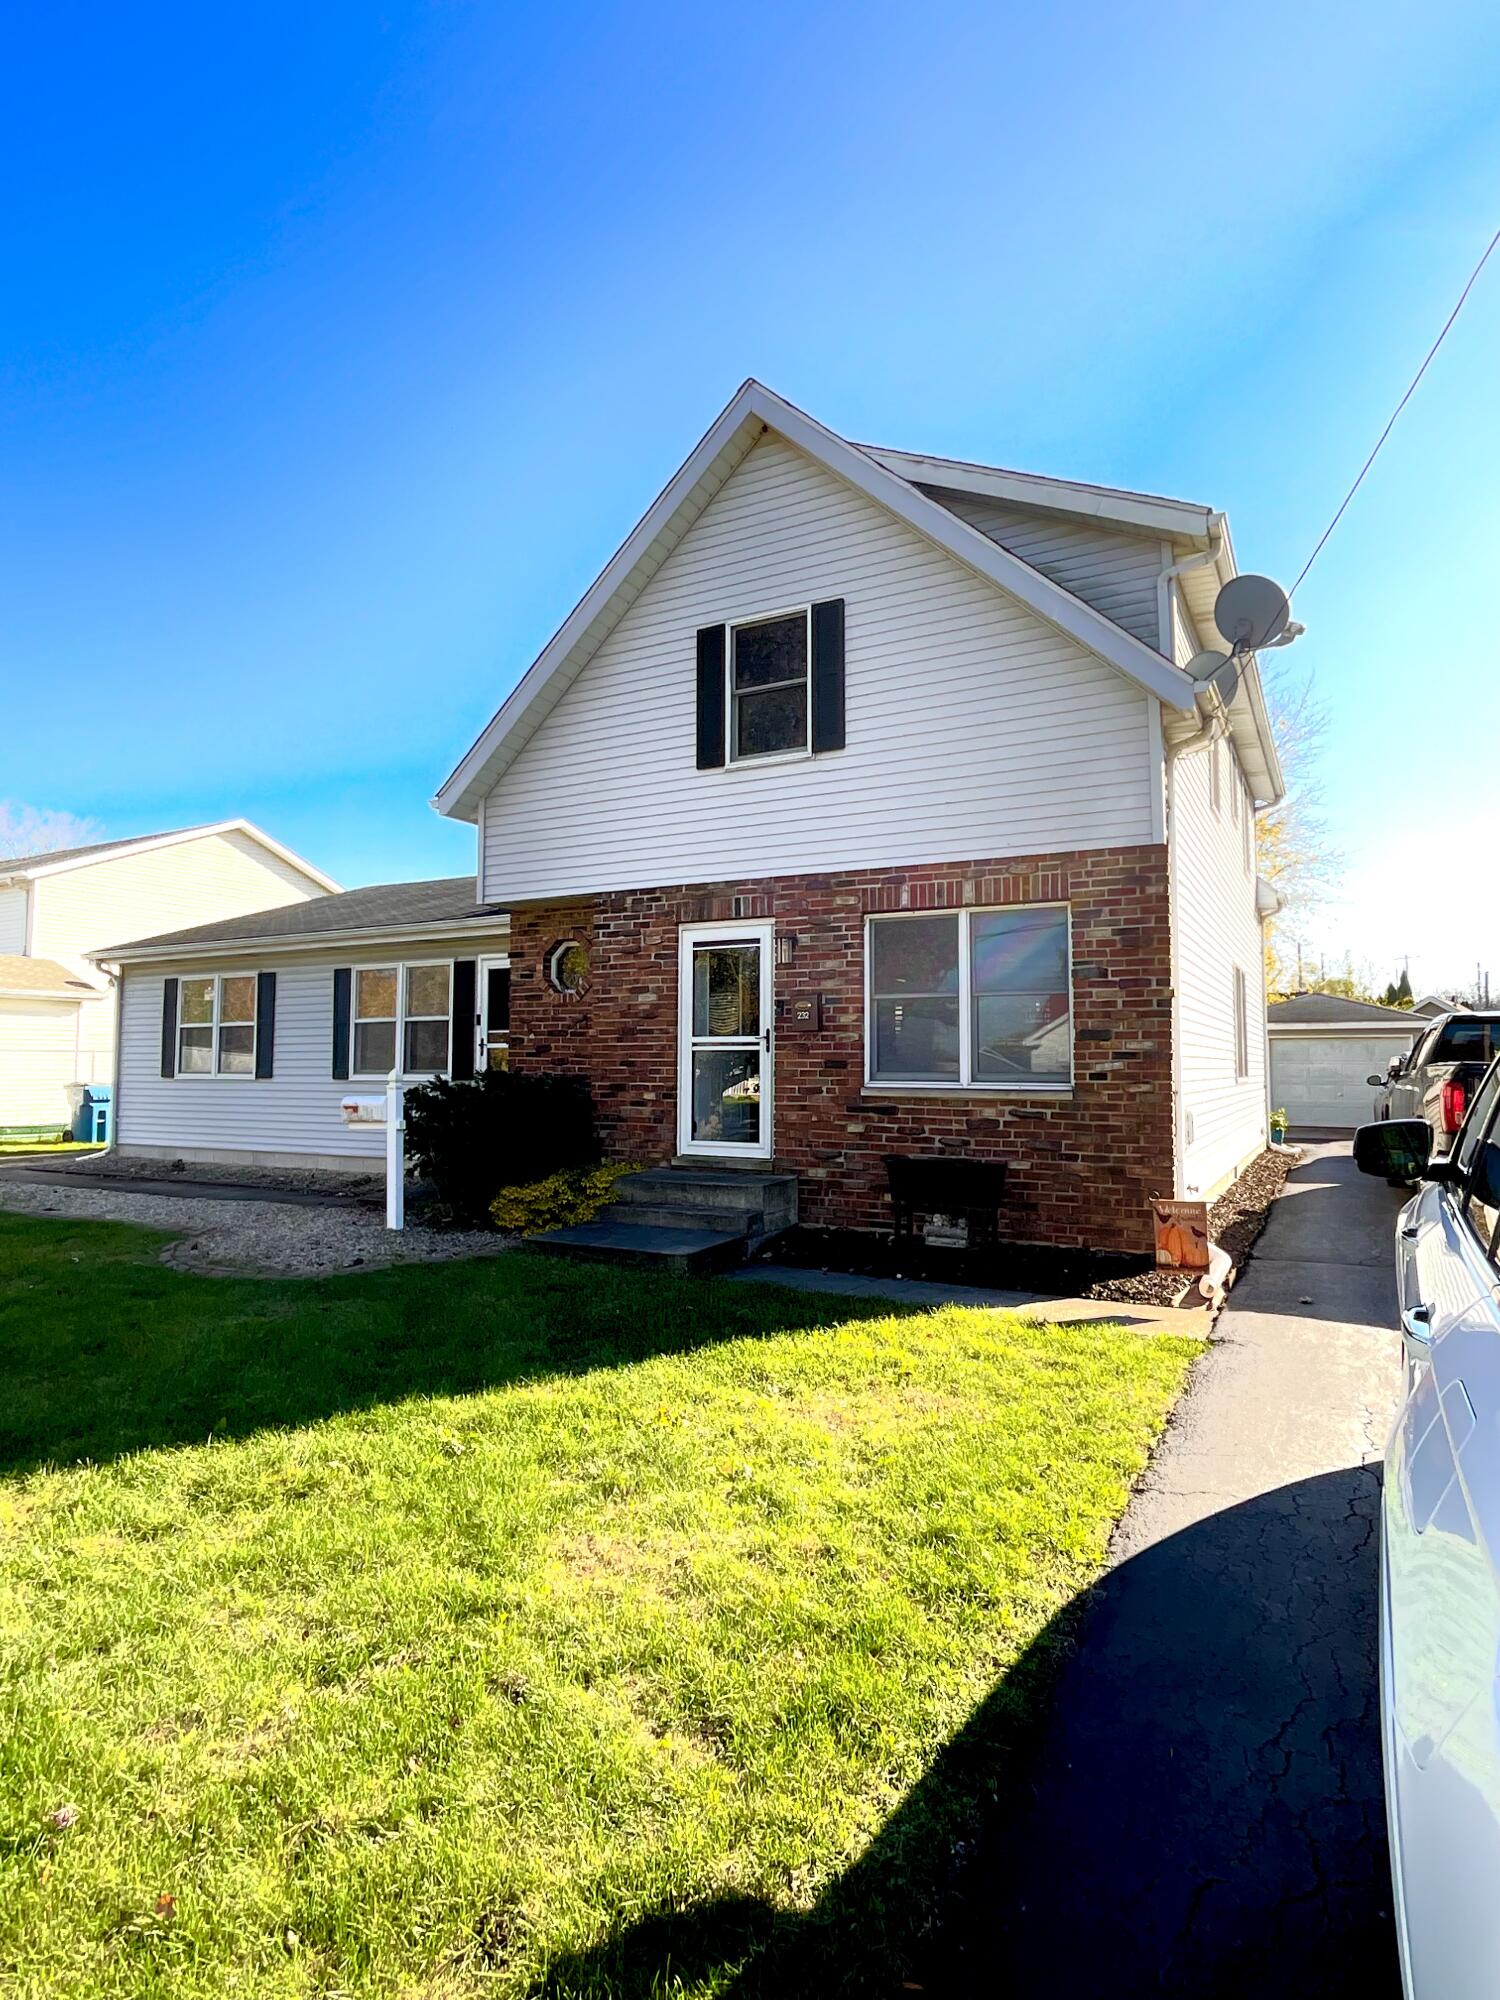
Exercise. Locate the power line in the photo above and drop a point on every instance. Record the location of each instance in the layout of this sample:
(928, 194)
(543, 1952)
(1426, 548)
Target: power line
(1410, 391)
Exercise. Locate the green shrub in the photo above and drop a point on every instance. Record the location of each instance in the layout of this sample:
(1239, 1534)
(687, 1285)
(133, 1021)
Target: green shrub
(575, 1195)
(505, 1129)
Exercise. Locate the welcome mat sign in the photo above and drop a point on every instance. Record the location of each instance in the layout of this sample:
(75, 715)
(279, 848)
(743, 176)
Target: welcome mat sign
(1181, 1235)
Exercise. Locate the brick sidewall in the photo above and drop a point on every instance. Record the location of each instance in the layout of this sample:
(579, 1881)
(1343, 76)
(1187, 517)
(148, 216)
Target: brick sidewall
(1082, 1168)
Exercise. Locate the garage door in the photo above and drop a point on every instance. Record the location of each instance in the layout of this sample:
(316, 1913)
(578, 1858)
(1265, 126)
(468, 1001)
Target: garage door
(1321, 1079)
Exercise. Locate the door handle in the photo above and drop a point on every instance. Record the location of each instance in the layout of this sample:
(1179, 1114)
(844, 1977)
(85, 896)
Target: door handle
(766, 1038)
(1409, 1232)
(1416, 1332)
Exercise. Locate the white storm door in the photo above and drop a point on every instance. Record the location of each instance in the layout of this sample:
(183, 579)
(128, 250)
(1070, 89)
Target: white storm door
(725, 1012)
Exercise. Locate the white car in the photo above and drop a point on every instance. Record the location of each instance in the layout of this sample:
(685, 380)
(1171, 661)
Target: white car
(1440, 1555)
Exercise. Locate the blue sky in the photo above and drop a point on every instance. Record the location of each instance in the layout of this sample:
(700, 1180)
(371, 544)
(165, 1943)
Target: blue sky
(342, 345)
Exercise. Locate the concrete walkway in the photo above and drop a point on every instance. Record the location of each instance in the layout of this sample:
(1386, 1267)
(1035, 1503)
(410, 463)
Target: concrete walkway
(1060, 1311)
(1205, 1815)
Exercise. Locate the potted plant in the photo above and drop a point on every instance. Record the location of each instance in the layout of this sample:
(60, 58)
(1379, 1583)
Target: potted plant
(1278, 1127)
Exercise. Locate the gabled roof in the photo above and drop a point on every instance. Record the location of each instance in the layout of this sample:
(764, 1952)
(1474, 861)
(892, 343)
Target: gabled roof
(395, 907)
(29, 866)
(1113, 505)
(23, 978)
(1318, 1010)
(754, 410)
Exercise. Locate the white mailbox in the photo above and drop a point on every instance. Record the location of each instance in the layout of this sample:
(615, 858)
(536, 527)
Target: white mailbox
(363, 1110)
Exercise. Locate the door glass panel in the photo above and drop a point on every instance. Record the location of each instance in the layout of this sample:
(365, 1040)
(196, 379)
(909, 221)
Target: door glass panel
(726, 1096)
(497, 1017)
(726, 989)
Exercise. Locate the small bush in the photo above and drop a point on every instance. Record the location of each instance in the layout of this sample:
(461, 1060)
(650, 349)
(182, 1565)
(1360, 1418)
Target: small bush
(506, 1128)
(575, 1195)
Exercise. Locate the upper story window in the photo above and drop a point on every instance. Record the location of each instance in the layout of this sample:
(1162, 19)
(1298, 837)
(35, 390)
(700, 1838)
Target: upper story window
(977, 999)
(768, 686)
(409, 1005)
(216, 1025)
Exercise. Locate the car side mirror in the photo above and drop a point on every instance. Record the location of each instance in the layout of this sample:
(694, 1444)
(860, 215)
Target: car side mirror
(1397, 1149)
(1375, 1082)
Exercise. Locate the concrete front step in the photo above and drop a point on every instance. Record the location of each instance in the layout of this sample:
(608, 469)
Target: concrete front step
(762, 1203)
(610, 1239)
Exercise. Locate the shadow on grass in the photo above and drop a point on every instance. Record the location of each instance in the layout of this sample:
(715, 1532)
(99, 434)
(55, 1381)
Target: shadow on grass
(104, 1351)
(1198, 1812)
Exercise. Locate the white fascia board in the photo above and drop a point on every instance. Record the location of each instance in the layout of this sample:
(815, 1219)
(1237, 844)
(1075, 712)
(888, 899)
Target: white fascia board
(75, 998)
(497, 927)
(1342, 1030)
(1184, 520)
(754, 410)
(155, 840)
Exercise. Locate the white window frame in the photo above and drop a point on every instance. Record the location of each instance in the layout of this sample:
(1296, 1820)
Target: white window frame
(401, 968)
(732, 754)
(965, 1083)
(215, 1074)
(1240, 989)
(1215, 778)
(1247, 815)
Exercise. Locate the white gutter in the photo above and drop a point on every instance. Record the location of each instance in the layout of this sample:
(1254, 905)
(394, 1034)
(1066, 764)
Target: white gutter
(1167, 576)
(372, 937)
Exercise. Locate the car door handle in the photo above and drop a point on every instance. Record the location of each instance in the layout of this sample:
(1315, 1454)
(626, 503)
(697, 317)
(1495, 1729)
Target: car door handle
(1416, 1331)
(1409, 1232)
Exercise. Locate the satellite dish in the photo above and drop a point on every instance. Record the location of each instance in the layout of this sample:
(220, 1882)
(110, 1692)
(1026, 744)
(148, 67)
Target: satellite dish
(1251, 611)
(1216, 670)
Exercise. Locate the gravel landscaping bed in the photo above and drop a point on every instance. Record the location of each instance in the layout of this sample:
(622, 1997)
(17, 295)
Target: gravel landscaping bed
(264, 1237)
(354, 1187)
(1235, 1220)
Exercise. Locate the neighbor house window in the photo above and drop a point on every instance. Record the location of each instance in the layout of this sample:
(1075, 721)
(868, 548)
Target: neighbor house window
(979, 999)
(768, 698)
(216, 1025)
(1241, 1027)
(402, 1006)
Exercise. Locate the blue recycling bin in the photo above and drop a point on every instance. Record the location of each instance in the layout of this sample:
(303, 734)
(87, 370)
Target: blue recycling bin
(91, 1119)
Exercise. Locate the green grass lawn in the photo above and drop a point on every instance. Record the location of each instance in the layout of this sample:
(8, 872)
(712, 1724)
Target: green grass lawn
(511, 1627)
(25, 1149)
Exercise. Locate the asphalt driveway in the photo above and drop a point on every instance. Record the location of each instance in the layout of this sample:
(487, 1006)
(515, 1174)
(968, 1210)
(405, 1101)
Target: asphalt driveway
(1205, 1816)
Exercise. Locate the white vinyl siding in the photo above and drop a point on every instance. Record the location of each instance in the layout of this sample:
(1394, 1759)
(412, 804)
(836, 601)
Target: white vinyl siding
(973, 727)
(1109, 568)
(1221, 1115)
(122, 897)
(294, 1111)
(13, 918)
(38, 1047)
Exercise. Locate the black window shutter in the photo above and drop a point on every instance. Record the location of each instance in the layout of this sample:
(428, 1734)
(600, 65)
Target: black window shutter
(465, 1024)
(169, 1027)
(710, 697)
(265, 1023)
(828, 675)
(343, 984)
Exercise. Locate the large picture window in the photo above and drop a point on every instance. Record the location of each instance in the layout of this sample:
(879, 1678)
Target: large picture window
(980, 999)
(407, 1007)
(216, 1025)
(768, 704)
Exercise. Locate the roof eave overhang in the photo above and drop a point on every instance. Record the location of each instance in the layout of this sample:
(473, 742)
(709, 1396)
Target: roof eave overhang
(302, 941)
(753, 411)
(49, 993)
(1182, 520)
(148, 843)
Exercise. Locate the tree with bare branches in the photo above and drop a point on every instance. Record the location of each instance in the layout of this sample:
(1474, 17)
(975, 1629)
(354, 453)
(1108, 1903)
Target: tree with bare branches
(36, 830)
(1294, 849)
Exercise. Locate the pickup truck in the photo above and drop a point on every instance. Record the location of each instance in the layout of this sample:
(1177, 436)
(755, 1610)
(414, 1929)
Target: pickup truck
(1438, 1079)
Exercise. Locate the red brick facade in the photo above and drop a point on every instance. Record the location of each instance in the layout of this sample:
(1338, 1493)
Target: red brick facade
(1082, 1167)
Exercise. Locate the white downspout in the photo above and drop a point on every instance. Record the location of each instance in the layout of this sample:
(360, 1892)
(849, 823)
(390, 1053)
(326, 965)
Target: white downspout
(1165, 579)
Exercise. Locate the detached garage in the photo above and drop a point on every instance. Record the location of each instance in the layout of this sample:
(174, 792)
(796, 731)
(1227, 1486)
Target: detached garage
(1324, 1048)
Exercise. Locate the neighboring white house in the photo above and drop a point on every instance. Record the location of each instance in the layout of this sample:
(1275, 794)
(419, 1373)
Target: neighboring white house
(57, 1008)
(1325, 1049)
(240, 1039)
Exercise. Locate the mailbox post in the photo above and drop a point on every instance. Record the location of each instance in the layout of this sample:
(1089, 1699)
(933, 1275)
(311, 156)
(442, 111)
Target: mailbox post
(395, 1152)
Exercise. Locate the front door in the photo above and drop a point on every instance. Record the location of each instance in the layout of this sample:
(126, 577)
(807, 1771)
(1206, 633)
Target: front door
(493, 1014)
(725, 1014)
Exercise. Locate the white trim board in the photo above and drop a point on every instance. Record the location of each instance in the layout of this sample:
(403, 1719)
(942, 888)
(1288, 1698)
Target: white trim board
(754, 410)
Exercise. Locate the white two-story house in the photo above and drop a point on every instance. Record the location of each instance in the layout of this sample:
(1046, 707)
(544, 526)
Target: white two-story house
(862, 807)
(57, 1007)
